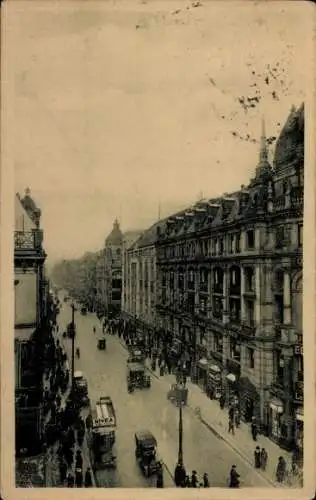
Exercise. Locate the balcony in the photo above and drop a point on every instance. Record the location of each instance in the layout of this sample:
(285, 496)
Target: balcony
(297, 197)
(299, 392)
(28, 240)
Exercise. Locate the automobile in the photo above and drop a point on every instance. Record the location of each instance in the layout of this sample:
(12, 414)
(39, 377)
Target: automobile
(146, 452)
(81, 388)
(101, 343)
(135, 356)
(137, 377)
(178, 394)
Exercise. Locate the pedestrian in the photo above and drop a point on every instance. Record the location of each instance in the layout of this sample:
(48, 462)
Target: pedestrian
(231, 426)
(194, 479)
(206, 482)
(237, 417)
(179, 475)
(79, 460)
(222, 401)
(234, 478)
(257, 455)
(88, 478)
(187, 482)
(281, 470)
(254, 430)
(231, 413)
(70, 480)
(264, 459)
(62, 470)
(159, 481)
(79, 477)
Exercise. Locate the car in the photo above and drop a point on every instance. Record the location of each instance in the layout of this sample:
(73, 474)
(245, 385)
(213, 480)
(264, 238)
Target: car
(146, 452)
(137, 377)
(81, 388)
(101, 343)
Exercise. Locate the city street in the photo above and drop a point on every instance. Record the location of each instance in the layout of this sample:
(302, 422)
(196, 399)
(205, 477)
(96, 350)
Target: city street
(148, 409)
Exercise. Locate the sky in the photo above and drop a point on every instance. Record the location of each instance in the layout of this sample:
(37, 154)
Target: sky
(119, 107)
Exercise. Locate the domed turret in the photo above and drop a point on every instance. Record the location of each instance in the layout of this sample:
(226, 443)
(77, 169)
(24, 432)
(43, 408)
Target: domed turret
(290, 144)
(115, 237)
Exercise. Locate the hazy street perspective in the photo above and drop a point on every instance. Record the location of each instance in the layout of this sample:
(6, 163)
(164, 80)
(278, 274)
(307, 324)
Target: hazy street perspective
(158, 243)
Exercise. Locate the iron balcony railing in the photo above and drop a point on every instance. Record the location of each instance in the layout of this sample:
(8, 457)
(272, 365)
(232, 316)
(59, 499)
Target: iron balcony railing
(28, 240)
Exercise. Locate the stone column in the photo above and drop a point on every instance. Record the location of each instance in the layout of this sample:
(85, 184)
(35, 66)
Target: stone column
(287, 298)
(258, 295)
(288, 395)
(242, 291)
(225, 297)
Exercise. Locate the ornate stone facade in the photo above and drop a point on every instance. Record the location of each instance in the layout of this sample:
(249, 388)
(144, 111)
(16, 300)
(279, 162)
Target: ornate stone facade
(229, 287)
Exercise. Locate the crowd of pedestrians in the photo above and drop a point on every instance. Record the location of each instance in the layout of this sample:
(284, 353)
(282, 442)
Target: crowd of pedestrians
(65, 427)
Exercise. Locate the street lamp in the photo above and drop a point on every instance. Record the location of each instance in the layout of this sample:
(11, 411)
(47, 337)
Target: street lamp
(180, 472)
(72, 327)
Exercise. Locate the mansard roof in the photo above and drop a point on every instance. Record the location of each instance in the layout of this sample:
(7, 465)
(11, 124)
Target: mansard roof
(290, 144)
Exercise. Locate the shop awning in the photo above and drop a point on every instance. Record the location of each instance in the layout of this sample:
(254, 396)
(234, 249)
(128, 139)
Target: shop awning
(203, 363)
(215, 369)
(23, 334)
(300, 414)
(276, 405)
(231, 377)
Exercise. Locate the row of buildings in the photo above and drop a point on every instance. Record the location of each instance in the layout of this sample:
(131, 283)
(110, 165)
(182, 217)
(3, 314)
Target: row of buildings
(223, 280)
(32, 315)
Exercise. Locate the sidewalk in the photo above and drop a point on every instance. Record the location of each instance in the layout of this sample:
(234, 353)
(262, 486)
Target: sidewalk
(216, 419)
(242, 443)
(52, 468)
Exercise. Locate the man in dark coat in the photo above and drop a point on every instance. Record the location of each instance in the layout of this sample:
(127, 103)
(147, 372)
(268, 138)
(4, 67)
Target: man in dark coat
(88, 478)
(234, 478)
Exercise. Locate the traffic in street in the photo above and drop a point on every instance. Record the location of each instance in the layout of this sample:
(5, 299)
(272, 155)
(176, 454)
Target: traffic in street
(146, 409)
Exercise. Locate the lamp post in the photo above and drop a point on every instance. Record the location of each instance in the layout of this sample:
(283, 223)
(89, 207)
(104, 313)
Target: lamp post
(73, 334)
(180, 472)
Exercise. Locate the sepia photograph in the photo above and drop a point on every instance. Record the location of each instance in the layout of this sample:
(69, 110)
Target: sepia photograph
(159, 159)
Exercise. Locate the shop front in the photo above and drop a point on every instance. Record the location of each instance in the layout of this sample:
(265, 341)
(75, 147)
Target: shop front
(249, 400)
(275, 420)
(299, 434)
(231, 380)
(214, 382)
(202, 371)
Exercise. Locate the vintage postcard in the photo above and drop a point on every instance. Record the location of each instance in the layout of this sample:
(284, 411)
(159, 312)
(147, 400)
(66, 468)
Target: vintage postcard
(157, 249)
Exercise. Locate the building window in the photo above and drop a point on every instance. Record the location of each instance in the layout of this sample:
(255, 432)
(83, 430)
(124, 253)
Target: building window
(221, 246)
(231, 243)
(203, 280)
(250, 239)
(235, 350)
(191, 279)
(237, 243)
(234, 308)
(191, 303)
(217, 307)
(249, 280)
(250, 312)
(300, 235)
(203, 305)
(279, 309)
(280, 369)
(218, 343)
(250, 358)
(279, 237)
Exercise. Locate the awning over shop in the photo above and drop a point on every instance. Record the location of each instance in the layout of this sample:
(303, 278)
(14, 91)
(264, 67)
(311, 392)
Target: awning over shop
(23, 334)
(276, 405)
(231, 377)
(203, 363)
(300, 414)
(214, 369)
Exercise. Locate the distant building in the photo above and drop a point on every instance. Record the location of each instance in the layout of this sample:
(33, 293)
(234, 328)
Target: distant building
(229, 289)
(30, 329)
(139, 278)
(112, 277)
